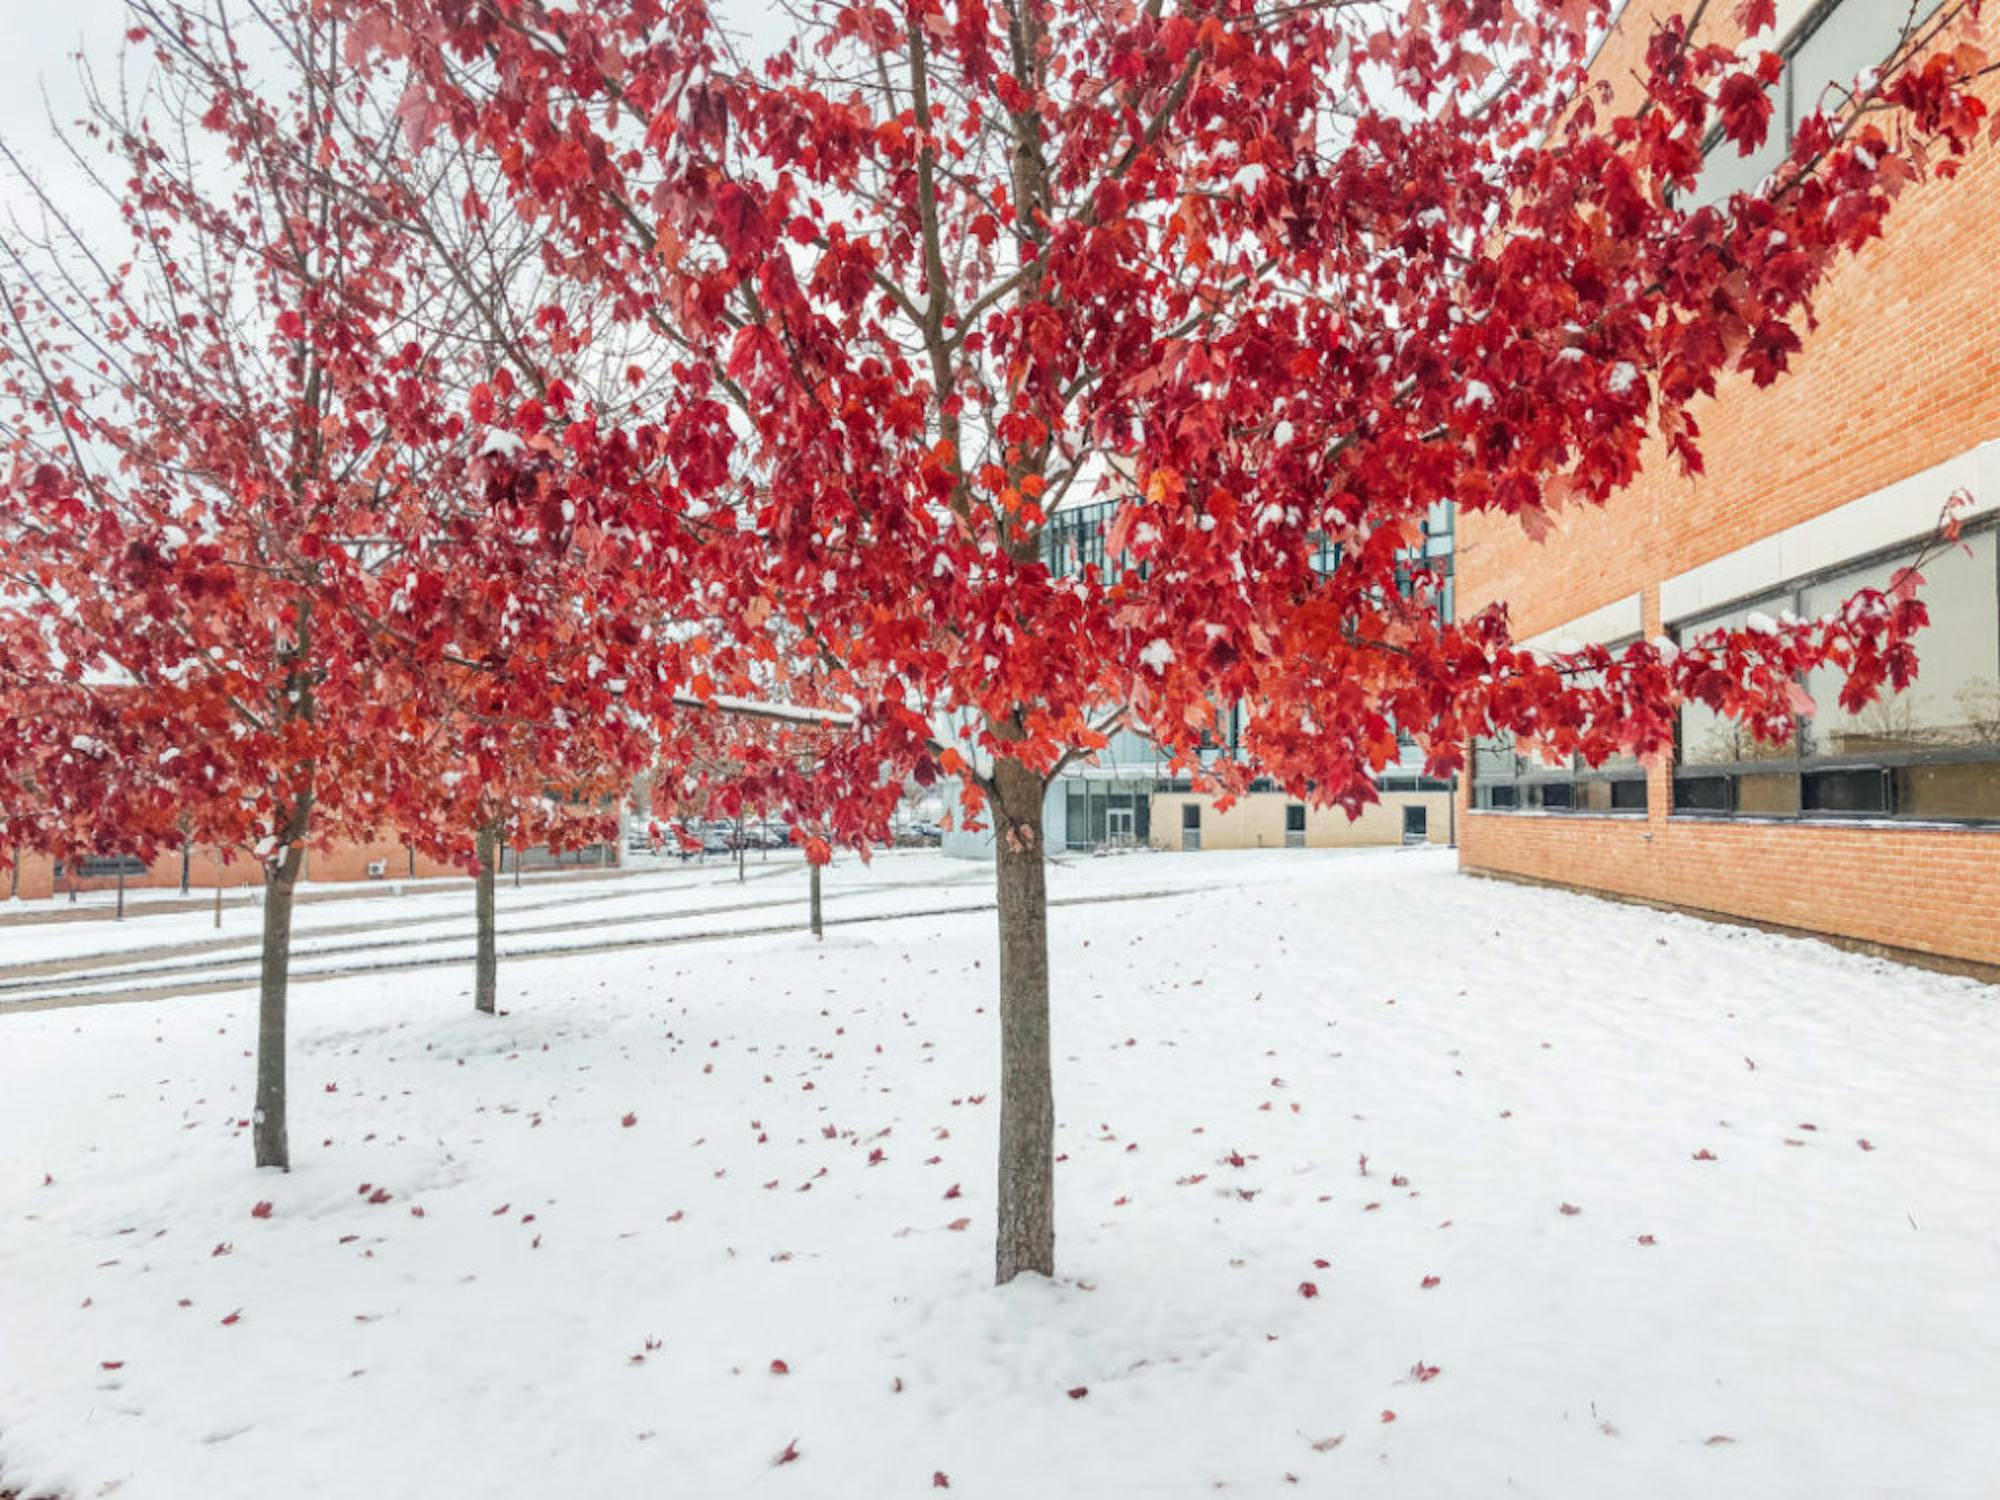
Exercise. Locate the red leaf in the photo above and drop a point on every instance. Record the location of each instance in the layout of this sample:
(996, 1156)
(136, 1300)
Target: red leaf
(1571, 1209)
(952, 1191)
(261, 1211)
(1704, 1154)
(233, 1317)
(111, 1364)
(1755, 16)
(1865, 1144)
(940, 1480)
(380, 1195)
(1307, 1289)
(1647, 1239)
(959, 1224)
(629, 1121)
(1430, 1281)
(1422, 1373)
(779, 1367)
(1078, 1392)
(1388, 1416)
(789, 1456)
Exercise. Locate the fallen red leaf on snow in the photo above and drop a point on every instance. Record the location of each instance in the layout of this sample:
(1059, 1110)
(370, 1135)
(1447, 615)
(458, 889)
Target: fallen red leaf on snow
(1571, 1209)
(940, 1480)
(790, 1455)
(1388, 1416)
(1647, 1239)
(1865, 1144)
(261, 1211)
(1422, 1372)
(1430, 1281)
(958, 1224)
(1704, 1154)
(1307, 1289)
(1328, 1444)
(233, 1317)
(111, 1364)
(779, 1367)
(629, 1121)
(1078, 1392)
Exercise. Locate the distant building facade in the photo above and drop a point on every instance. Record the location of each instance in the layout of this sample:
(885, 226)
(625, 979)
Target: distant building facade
(1129, 796)
(346, 861)
(1883, 827)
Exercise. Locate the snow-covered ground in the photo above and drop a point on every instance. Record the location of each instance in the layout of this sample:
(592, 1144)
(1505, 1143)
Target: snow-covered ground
(1376, 1180)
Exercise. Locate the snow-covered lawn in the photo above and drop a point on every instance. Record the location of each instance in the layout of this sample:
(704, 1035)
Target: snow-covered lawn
(1377, 1180)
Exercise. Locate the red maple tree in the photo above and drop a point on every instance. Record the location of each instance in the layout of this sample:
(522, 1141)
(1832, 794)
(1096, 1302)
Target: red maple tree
(1279, 276)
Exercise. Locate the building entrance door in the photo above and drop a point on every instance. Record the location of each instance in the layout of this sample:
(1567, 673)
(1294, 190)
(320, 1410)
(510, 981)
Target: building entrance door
(1190, 825)
(1118, 827)
(1416, 825)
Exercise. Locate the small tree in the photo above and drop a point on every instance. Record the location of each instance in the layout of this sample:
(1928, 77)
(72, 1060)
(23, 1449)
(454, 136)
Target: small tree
(242, 487)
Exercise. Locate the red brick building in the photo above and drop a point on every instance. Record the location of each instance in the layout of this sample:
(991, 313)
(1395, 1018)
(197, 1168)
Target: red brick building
(348, 860)
(1883, 828)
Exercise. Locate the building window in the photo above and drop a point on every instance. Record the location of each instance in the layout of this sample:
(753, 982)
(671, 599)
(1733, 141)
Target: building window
(1930, 753)
(1504, 780)
(100, 867)
(1822, 56)
(1295, 825)
(1100, 814)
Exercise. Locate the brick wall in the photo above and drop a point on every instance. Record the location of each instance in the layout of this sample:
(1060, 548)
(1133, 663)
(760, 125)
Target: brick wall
(1902, 374)
(342, 862)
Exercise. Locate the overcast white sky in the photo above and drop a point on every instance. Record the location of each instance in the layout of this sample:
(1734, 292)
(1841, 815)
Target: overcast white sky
(39, 37)
(36, 44)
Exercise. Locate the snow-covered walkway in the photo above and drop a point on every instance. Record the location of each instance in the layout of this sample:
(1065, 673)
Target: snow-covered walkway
(1376, 1181)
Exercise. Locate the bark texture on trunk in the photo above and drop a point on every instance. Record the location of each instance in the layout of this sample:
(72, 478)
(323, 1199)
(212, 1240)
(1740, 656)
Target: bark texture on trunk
(486, 965)
(818, 925)
(1026, 1233)
(268, 1133)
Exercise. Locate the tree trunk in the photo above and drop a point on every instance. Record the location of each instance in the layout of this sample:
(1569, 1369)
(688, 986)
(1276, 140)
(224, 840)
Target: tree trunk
(486, 965)
(818, 925)
(1026, 1233)
(268, 1121)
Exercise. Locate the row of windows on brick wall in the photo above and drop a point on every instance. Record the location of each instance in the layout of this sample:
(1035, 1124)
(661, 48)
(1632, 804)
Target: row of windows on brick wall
(1929, 754)
(1505, 782)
